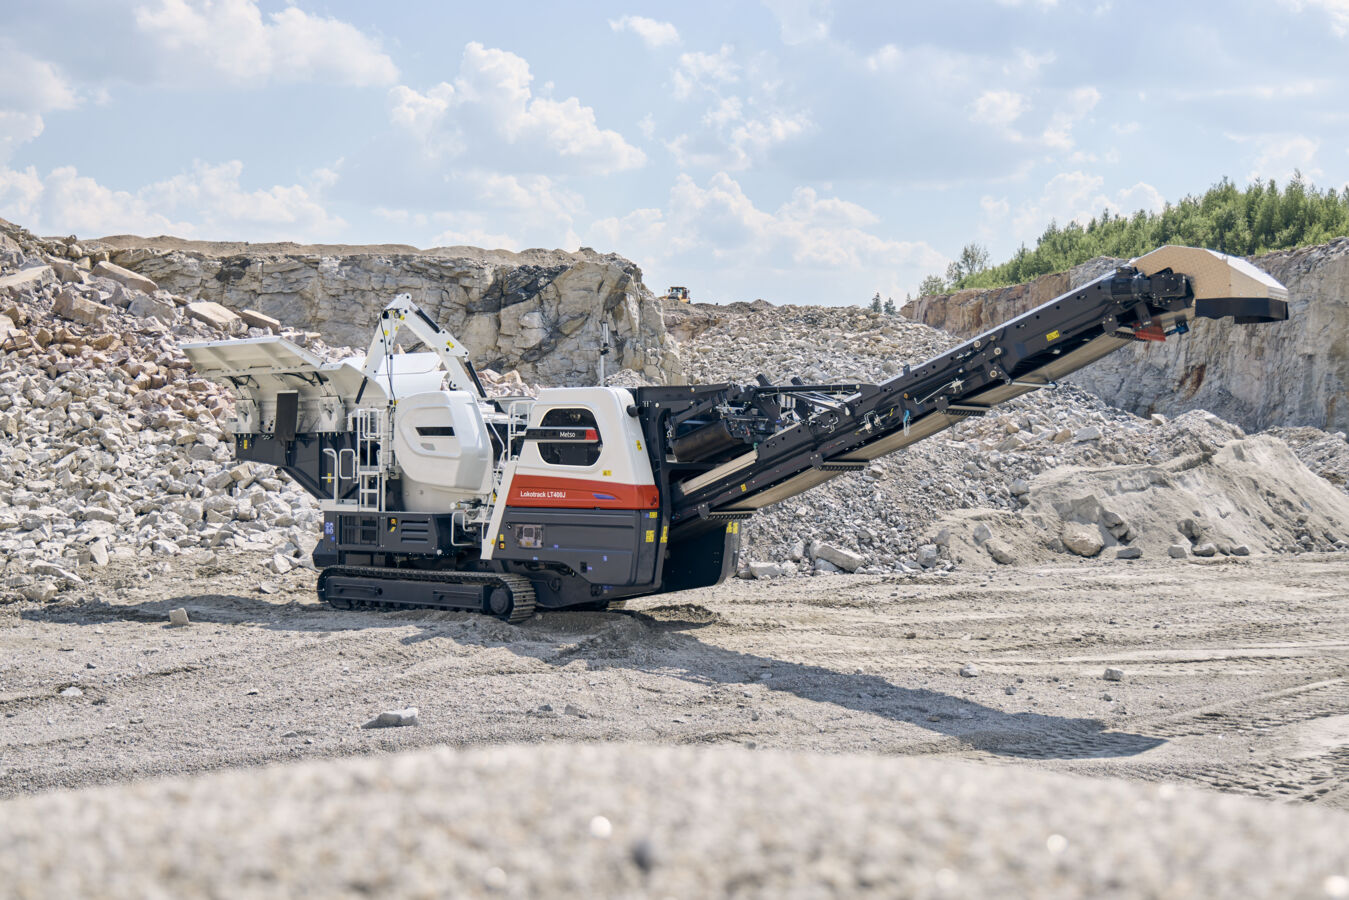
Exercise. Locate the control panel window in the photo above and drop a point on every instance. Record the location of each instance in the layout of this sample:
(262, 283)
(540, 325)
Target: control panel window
(575, 437)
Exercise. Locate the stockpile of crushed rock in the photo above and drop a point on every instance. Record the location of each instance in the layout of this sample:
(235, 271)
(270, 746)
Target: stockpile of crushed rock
(110, 447)
(897, 515)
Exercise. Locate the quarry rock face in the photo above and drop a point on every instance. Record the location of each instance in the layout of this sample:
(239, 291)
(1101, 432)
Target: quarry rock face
(539, 312)
(1288, 373)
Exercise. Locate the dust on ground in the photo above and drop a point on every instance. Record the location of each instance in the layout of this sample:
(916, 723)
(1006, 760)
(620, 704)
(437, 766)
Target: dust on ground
(1235, 673)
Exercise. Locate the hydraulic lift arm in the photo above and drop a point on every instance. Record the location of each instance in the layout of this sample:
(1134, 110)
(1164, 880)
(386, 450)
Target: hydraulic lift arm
(403, 313)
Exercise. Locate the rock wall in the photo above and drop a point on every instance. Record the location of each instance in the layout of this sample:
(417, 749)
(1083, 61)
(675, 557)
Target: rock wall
(539, 311)
(1290, 373)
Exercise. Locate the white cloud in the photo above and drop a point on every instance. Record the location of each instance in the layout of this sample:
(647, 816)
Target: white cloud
(999, 110)
(704, 71)
(729, 110)
(652, 32)
(498, 210)
(477, 237)
(734, 142)
(230, 39)
(720, 220)
(885, 59)
(647, 126)
(1278, 156)
(420, 113)
(491, 104)
(1288, 90)
(207, 202)
(1058, 133)
(29, 88)
(1337, 10)
(17, 128)
(801, 21)
(1069, 197)
(1025, 64)
(754, 137)
(29, 84)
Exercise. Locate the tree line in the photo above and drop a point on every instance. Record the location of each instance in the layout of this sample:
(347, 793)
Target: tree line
(1259, 219)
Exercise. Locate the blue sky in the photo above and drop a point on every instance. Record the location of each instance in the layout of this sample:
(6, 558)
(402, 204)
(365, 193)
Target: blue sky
(809, 152)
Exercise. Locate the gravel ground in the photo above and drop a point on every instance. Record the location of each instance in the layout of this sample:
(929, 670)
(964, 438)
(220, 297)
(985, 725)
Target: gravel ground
(1235, 673)
(635, 820)
(758, 738)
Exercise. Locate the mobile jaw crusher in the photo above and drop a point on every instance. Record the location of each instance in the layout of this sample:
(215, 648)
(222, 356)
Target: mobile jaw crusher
(435, 495)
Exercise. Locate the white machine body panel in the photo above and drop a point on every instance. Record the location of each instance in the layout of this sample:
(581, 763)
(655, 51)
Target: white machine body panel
(612, 471)
(621, 458)
(444, 450)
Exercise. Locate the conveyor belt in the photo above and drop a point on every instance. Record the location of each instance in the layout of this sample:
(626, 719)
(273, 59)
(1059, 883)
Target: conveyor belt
(1033, 350)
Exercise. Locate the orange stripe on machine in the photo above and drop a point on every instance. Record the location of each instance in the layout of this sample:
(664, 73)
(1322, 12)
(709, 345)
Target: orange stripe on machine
(580, 493)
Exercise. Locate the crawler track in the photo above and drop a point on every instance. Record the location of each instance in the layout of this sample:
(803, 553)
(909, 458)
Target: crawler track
(520, 589)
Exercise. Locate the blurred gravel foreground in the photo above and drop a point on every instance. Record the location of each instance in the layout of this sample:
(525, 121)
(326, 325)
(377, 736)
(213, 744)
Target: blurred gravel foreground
(638, 821)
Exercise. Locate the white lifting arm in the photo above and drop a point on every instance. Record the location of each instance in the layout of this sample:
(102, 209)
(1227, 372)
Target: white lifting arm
(402, 312)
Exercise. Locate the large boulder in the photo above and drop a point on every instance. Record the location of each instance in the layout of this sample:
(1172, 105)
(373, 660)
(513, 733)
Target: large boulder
(216, 316)
(71, 305)
(125, 277)
(1082, 539)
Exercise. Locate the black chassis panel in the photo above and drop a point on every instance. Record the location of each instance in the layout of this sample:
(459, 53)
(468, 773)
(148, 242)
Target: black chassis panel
(396, 533)
(610, 547)
(703, 558)
(302, 458)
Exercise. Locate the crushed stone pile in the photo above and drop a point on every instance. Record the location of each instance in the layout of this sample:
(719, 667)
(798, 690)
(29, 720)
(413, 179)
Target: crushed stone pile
(892, 516)
(111, 448)
(597, 820)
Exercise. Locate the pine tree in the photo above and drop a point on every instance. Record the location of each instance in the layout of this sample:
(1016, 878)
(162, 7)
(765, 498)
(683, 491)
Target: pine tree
(1255, 220)
(932, 284)
(890, 306)
(876, 302)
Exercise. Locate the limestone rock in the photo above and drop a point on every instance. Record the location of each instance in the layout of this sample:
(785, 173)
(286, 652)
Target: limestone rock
(999, 551)
(1177, 551)
(147, 307)
(216, 316)
(255, 319)
(25, 279)
(68, 272)
(1084, 540)
(394, 718)
(769, 570)
(71, 305)
(845, 560)
(125, 277)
